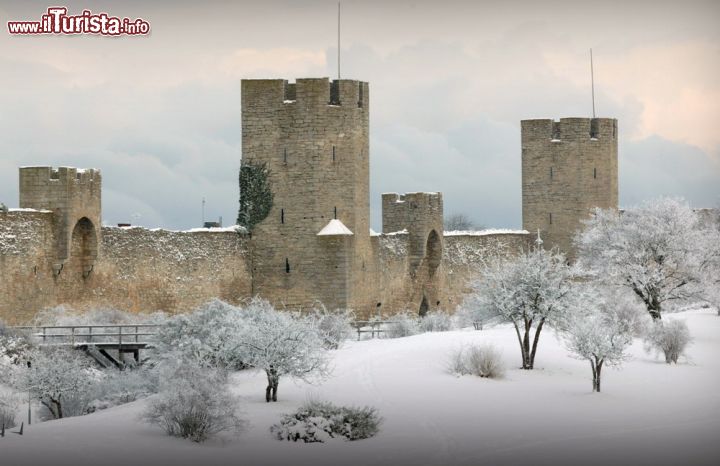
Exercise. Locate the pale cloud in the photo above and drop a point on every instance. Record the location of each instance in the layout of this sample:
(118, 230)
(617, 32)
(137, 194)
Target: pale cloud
(675, 84)
(272, 62)
(449, 84)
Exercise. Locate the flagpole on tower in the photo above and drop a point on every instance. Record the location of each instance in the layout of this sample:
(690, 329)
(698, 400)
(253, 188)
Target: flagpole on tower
(592, 82)
(338, 40)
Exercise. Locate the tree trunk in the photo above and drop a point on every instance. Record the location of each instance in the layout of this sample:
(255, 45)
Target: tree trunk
(273, 381)
(527, 364)
(597, 370)
(58, 408)
(535, 342)
(520, 342)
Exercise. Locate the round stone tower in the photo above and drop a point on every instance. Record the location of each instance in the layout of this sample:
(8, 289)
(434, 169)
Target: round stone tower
(568, 167)
(313, 138)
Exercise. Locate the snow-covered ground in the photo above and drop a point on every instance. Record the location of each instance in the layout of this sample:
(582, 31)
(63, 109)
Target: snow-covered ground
(649, 412)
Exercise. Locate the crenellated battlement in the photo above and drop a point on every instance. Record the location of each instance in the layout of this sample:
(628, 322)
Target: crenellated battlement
(569, 129)
(304, 93)
(60, 175)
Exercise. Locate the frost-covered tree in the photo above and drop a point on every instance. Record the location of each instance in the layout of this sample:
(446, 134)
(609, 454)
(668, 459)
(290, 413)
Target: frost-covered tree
(281, 343)
(207, 336)
(529, 291)
(598, 332)
(659, 251)
(58, 376)
(458, 222)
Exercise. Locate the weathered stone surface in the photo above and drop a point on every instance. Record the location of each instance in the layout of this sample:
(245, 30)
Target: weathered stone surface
(314, 138)
(568, 168)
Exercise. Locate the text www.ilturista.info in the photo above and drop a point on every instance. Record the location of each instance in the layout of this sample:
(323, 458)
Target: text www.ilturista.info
(57, 21)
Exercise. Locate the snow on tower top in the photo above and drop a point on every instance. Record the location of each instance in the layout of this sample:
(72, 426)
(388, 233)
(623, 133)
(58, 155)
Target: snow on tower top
(334, 228)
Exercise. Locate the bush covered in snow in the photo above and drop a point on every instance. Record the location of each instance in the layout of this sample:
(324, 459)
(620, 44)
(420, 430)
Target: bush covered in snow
(318, 421)
(114, 388)
(194, 403)
(402, 325)
(436, 321)
(669, 338)
(335, 326)
(478, 360)
(471, 316)
(9, 405)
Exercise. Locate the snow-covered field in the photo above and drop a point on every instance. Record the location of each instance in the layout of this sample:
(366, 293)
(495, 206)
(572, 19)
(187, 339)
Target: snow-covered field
(649, 412)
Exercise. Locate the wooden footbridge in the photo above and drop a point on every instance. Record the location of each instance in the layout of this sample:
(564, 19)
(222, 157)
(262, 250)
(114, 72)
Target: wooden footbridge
(97, 340)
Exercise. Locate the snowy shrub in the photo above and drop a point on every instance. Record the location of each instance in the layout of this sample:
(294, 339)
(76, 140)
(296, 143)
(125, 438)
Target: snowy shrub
(402, 325)
(436, 321)
(9, 405)
(335, 326)
(14, 348)
(632, 319)
(62, 380)
(669, 338)
(119, 387)
(194, 403)
(481, 361)
(470, 316)
(318, 421)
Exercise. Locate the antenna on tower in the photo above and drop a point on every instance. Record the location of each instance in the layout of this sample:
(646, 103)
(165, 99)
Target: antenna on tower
(592, 82)
(203, 212)
(338, 40)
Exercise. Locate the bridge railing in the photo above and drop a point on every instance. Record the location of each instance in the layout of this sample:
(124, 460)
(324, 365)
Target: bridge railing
(71, 335)
(373, 327)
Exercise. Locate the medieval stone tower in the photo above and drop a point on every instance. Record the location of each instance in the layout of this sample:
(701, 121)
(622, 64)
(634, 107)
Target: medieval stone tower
(74, 196)
(568, 168)
(313, 137)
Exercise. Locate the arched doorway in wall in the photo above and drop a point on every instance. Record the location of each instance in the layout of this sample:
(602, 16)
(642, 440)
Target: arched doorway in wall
(83, 247)
(433, 252)
(424, 307)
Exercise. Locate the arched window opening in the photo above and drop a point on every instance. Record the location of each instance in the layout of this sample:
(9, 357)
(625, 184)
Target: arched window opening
(433, 251)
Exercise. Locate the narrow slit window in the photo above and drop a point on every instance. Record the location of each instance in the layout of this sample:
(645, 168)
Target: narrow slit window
(333, 153)
(287, 265)
(550, 217)
(282, 215)
(594, 173)
(551, 173)
(335, 212)
(285, 155)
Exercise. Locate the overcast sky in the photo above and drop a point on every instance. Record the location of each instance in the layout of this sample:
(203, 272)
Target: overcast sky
(449, 84)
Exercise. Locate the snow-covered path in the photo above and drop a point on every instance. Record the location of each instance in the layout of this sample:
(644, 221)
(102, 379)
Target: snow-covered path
(649, 412)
